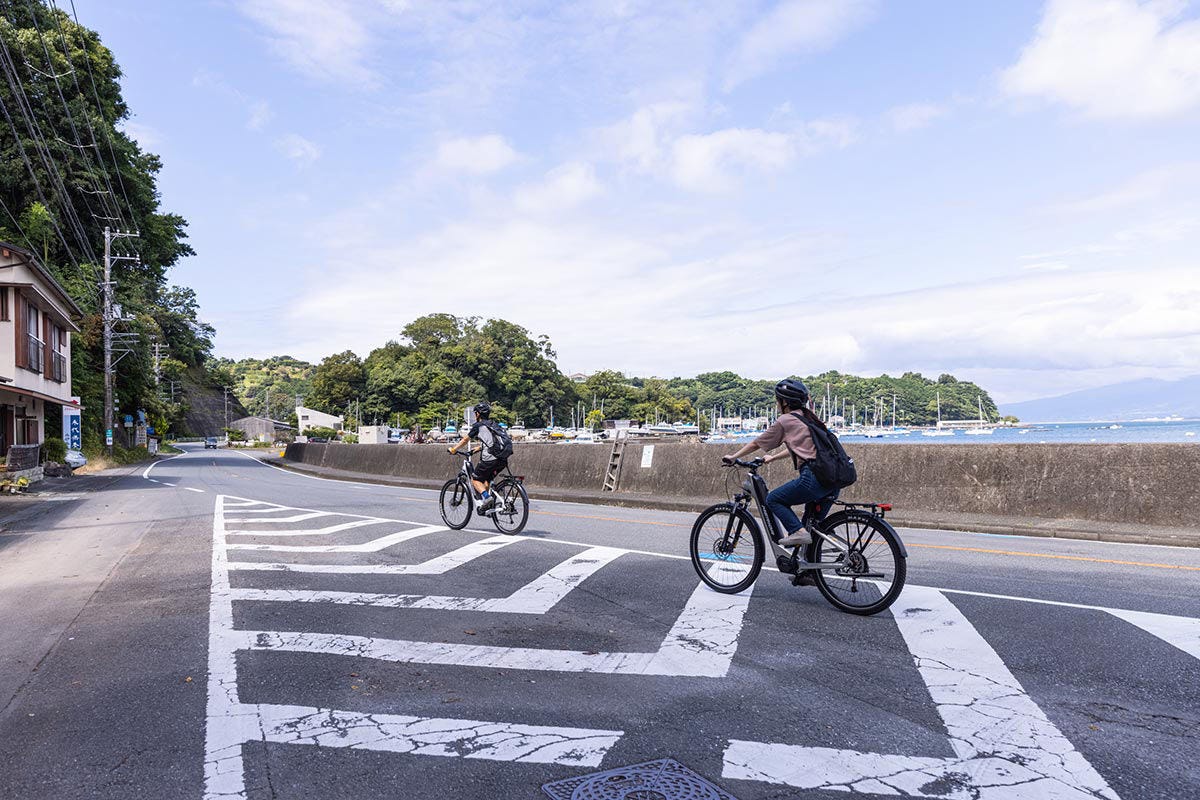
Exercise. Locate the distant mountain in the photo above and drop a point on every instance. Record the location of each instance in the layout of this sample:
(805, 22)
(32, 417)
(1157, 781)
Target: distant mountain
(1120, 401)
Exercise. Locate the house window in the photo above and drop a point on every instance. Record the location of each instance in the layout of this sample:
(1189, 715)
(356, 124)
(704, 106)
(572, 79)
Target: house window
(35, 346)
(3, 304)
(58, 356)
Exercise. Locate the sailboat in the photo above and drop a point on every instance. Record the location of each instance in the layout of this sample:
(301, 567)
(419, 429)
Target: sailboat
(939, 430)
(982, 430)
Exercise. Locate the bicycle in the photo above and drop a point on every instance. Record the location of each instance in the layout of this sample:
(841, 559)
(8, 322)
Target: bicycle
(856, 558)
(458, 499)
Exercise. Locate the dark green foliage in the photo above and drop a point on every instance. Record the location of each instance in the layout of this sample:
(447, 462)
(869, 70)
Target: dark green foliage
(65, 167)
(54, 450)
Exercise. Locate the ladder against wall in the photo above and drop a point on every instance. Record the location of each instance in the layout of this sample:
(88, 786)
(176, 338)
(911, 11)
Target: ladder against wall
(613, 476)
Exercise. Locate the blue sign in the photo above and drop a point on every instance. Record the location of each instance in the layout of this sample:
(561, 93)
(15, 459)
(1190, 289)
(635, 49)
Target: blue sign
(72, 425)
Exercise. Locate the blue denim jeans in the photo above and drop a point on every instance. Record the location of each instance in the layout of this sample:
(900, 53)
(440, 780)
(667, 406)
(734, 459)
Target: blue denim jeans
(805, 488)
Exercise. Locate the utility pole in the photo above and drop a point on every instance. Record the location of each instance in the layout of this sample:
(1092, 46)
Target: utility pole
(225, 390)
(159, 350)
(109, 318)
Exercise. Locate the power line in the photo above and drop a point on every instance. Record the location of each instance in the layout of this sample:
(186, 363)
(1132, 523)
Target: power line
(39, 142)
(99, 108)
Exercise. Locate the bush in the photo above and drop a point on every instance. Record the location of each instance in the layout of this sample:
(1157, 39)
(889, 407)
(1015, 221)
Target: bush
(54, 450)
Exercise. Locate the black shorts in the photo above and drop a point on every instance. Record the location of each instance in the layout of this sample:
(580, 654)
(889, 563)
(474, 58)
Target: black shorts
(486, 471)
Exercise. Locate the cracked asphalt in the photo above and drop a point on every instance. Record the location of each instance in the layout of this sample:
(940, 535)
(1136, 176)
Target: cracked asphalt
(107, 596)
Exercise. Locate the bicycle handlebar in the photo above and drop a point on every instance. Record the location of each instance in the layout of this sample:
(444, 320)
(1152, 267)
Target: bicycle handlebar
(737, 462)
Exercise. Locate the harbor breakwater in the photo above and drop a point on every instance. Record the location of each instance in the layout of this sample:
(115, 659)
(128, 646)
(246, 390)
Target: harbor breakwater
(1122, 492)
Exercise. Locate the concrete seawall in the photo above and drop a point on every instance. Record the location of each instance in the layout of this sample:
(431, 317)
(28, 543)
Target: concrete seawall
(1111, 491)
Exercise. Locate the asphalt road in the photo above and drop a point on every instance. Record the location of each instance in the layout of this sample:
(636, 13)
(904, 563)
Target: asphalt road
(216, 627)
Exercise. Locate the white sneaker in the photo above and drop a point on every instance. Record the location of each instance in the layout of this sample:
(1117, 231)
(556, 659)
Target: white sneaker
(797, 539)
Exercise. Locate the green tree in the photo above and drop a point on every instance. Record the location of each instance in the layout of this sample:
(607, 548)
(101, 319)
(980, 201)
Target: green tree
(337, 381)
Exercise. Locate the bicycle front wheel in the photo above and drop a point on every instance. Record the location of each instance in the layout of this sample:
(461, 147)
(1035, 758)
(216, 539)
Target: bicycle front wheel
(873, 563)
(511, 511)
(455, 502)
(727, 548)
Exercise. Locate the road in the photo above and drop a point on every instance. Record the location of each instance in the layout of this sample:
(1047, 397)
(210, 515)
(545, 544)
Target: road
(215, 627)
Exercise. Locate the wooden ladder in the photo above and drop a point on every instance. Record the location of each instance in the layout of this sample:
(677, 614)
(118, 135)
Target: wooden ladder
(613, 476)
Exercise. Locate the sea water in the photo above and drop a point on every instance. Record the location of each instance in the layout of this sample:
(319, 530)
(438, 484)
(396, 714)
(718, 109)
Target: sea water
(1185, 431)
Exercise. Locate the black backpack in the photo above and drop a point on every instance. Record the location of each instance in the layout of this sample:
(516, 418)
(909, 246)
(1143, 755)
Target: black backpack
(833, 468)
(502, 444)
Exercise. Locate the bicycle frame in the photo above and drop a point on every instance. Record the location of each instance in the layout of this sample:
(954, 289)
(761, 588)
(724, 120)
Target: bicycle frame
(756, 490)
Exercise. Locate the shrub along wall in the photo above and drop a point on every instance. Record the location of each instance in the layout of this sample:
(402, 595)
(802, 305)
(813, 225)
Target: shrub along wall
(1147, 484)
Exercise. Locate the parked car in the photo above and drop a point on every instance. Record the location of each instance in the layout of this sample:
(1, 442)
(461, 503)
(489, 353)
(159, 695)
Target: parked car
(75, 459)
(211, 441)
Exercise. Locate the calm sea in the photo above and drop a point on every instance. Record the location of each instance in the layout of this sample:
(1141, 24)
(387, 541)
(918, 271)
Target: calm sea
(1187, 431)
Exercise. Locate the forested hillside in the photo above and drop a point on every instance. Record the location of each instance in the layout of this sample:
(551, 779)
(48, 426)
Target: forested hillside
(66, 171)
(441, 363)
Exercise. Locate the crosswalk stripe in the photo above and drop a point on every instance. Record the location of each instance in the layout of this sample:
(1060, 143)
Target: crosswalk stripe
(463, 738)
(1180, 632)
(341, 526)
(373, 546)
(1005, 748)
(307, 515)
(701, 643)
(536, 597)
(434, 566)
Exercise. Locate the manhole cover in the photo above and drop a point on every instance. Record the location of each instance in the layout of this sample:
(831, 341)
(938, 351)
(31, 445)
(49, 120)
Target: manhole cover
(665, 779)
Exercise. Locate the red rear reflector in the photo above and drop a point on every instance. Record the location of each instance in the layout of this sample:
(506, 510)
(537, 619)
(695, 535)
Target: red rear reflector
(885, 506)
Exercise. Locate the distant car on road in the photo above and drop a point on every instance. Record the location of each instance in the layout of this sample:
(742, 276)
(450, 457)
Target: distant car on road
(211, 441)
(75, 459)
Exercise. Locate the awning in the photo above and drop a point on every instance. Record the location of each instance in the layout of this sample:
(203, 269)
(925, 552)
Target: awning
(9, 389)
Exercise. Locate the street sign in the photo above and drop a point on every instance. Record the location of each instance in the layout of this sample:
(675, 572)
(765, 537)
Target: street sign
(72, 425)
(108, 437)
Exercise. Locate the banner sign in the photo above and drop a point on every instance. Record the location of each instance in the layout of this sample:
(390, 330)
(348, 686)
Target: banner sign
(72, 425)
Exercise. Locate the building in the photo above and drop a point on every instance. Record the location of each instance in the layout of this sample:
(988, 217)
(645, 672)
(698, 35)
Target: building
(37, 318)
(311, 418)
(262, 429)
(373, 434)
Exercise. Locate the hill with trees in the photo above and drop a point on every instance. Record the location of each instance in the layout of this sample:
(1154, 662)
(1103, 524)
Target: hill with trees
(442, 363)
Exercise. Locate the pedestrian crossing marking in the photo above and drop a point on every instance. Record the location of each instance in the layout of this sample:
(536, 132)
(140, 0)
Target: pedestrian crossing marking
(434, 566)
(373, 546)
(536, 597)
(1005, 748)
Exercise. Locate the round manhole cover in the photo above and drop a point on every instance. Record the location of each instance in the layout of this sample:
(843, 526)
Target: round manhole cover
(665, 779)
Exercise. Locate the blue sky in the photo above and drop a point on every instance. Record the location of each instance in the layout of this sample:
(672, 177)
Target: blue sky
(1005, 191)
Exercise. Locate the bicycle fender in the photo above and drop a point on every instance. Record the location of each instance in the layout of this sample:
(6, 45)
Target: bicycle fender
(862, 515)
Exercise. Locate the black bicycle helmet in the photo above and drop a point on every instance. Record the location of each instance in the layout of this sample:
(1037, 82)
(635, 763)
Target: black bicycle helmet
(792, 392)
(483, 410)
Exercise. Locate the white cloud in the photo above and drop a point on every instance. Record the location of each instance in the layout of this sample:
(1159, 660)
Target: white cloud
(793, 26)
(702, 162)
(563, 189)
(477, 156)
(326, 39)
(300, 150)
(148, 138)
(1146, 187)
(1112, 58)
(914, 116)
(260, 115)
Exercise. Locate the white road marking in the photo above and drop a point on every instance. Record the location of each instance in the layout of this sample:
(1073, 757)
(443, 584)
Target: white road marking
(1005, 748)
(373, 546)
(146, 471)
(434, 566)
(193, 489)
(701, 643)
(294, 518)
(230, 723)
(463, 738)
(535, 597)
(341, 526)
(1180, 632)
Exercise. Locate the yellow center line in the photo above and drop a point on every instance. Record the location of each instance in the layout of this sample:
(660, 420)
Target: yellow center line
(1023, 553)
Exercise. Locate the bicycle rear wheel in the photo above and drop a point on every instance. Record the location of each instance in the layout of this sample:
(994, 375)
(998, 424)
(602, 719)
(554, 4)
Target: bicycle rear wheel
(874, 563)
(727, 548)
(455, 503)
(511, 511)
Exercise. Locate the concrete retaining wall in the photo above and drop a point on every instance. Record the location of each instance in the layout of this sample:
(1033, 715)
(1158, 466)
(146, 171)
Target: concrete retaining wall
(1142, 484)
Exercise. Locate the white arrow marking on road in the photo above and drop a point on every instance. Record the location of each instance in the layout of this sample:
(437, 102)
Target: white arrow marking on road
(701, 643)
(373, 546)
(536, 597)
(273, 520)
(495, 741)
(1005, 748)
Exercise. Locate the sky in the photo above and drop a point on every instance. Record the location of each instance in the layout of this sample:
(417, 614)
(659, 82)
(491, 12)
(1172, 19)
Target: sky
(1008, 192)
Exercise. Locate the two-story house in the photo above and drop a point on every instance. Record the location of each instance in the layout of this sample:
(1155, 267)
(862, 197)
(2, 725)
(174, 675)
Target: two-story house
(37, 318)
